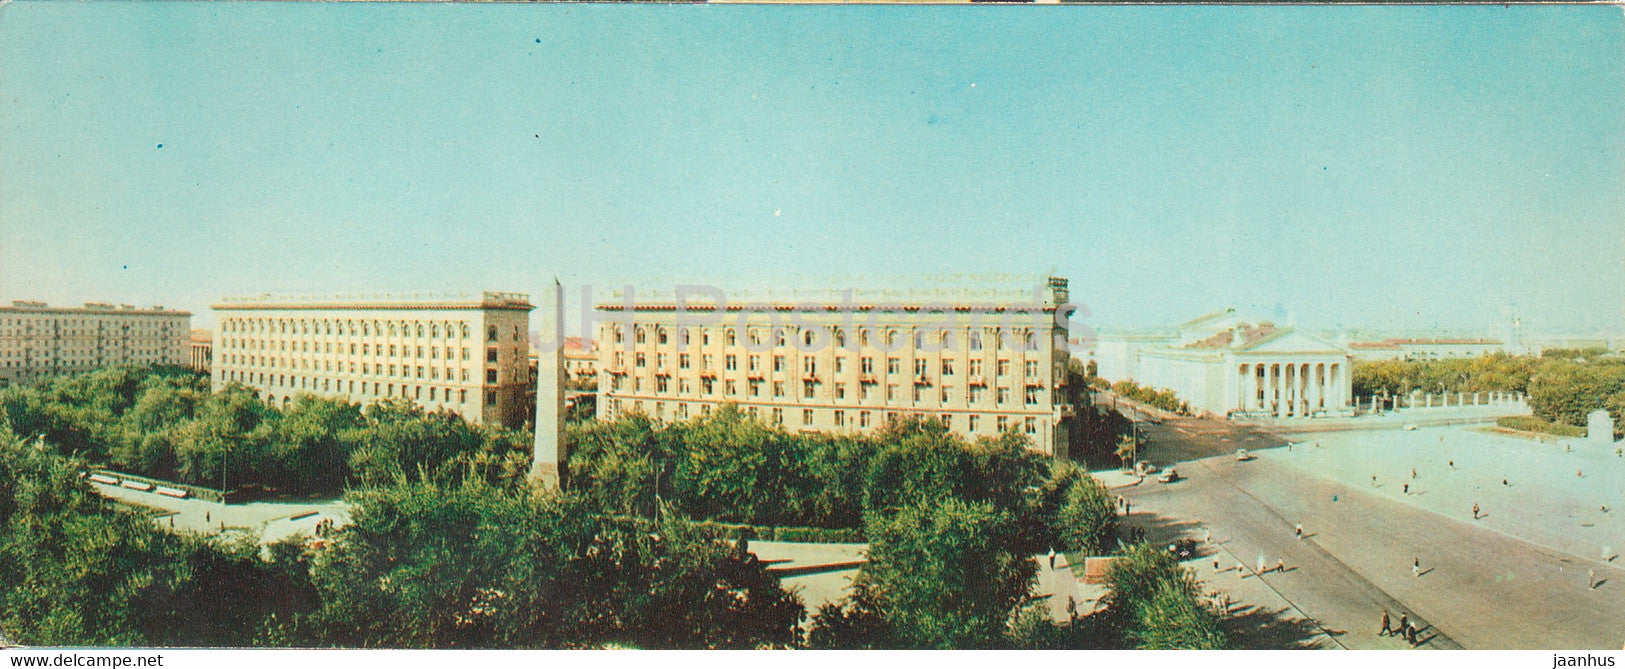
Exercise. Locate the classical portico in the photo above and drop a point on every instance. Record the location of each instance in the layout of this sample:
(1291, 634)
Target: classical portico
(1224, 367)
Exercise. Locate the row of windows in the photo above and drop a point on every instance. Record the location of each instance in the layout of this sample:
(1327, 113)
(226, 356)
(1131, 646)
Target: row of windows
(1032, 395)
(817, 336)
(809, 364)
(376, 389)
(840, 417)
(404, 371)
(364, 328)
(354, 349)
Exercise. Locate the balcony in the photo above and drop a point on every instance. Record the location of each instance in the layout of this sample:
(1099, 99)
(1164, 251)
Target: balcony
(867, 378)
(978, 380)
(810, 377)
(708, 374)
(922, 380)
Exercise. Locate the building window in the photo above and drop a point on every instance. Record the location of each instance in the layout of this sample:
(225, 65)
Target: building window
(947, 367)
(778, 363)
(1032, 395)
(778, 416)
(971, 421)
(919, 367)
(778, 389)
(840, 391)
(1003, 396)
(806, 416)
(490, 355)
(1030, 425)
(491, 397)
(730, 387)
(1004, 368)
(863, 419)
(1004, 424)
(682, 361)
(731, 362)
(807, 389)
(840, 417)
(1032, 368)
(490, 376)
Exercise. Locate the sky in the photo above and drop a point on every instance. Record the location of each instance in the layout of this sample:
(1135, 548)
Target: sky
(1379, 167)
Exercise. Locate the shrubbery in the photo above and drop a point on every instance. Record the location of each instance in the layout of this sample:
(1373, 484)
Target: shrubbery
(1533, 424)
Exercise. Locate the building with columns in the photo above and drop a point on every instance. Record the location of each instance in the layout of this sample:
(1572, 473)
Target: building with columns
(37, 339)
(981, 369)
(467, 354)
(1225, 367)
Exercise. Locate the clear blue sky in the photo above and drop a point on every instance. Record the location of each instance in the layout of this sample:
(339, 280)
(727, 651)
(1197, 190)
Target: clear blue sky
(1379, 166)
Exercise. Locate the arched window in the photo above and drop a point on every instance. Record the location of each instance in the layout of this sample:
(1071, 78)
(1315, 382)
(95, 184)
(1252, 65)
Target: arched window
(660, 335)
(392, 329)
(434, 331)
(731, 337)
(638, 335)
(838, 336)
(420, 330)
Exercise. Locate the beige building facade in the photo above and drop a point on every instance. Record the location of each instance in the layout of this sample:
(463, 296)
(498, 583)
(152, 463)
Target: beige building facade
(38, 340)
(981, 370)
(465, 354)
(200, 351)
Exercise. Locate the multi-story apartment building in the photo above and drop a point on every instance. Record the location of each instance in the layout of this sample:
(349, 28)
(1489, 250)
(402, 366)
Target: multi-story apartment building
(464, 354)
(981, 369)
(37, 339)
(580, 359)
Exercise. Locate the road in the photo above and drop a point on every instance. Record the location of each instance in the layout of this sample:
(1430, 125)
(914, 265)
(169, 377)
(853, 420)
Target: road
(1479, 588)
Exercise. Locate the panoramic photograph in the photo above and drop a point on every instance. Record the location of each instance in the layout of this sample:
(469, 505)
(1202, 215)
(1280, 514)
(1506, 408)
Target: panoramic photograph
(881, 327)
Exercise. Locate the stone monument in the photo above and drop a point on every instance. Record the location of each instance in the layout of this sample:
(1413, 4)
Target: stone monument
(1600, 427)
(550, 455)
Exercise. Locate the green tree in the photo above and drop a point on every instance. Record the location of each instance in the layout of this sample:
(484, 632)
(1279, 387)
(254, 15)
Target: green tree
(939, 575)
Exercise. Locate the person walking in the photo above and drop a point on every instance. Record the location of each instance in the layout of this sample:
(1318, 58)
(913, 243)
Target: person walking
(1410, 633)
(1384, 631)
(1416, 567)
(1280, 565)
(1404, 621)
(1052, 558)
(1405, 488)
(1297, 532)
(1475, 511)
(1373, 480)
(1413, 472)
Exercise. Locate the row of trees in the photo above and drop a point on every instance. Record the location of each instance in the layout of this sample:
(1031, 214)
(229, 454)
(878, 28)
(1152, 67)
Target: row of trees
(1563, 386)
(166, 424)
(1160, 398)
(729, 467)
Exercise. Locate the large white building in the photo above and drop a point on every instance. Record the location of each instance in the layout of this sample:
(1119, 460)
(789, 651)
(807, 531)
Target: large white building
(466, 354)
(1224, 367)
(37, 339)
(980, 370)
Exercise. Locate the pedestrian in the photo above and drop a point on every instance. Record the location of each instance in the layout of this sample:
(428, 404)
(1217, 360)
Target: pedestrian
(171, 521)
(1207, 535)
(1241, 569)
(1215, 564)
(206, 518)
(1052, 558)
(1373, 480)
(1384, 631)
(1405, 488)
(1404, 621)
(1579, 473)
(1452, 464)
(1410, 633)
(1416, 567)
(1475, 512)
(1413, 472)
(1280, 565)
(1128, 508)
(1504, 482)
(1298, 531)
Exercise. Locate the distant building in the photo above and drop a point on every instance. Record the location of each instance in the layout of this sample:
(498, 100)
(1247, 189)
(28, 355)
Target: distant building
(37, 339)
(580, 359)
(1425, 349)
(465, 354)
(1224, 367)
(202, 344)
(980, 370)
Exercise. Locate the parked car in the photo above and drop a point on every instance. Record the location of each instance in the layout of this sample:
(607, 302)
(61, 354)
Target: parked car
(1144, 467)
(1243, 455)
(1169, 475)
